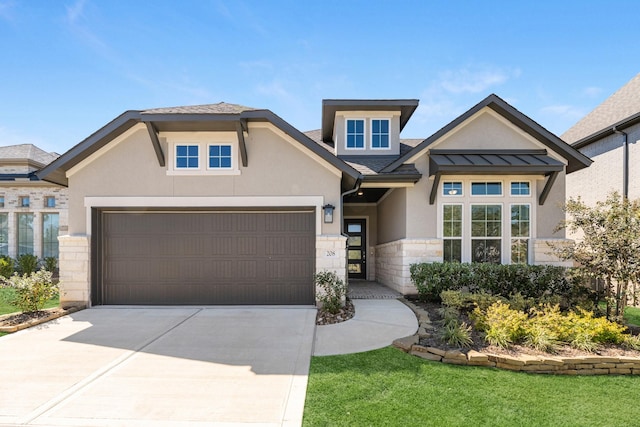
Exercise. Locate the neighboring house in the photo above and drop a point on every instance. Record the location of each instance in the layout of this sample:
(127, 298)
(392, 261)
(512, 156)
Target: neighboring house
(609, 135)
(225, 204)
(32, 212)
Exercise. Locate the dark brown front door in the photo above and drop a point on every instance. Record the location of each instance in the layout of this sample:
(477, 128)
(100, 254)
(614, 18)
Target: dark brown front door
(357, 247)
(206, 258)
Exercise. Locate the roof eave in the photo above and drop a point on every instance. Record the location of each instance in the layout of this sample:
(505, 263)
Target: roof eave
(622, 124)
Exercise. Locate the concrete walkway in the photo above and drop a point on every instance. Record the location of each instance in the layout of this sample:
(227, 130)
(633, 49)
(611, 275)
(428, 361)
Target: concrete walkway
(159, 367)
(376, 323)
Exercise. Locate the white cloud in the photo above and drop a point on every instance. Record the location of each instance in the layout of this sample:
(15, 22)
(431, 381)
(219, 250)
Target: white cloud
(75, 11)
(475, 79)
(566, 111)
(592, 91)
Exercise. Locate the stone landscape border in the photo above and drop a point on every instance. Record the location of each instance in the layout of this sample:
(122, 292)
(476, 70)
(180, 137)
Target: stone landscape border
(53, 313)
(578, 365)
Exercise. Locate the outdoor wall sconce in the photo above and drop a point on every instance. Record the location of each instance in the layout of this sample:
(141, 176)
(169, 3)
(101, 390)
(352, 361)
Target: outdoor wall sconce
(328, 213)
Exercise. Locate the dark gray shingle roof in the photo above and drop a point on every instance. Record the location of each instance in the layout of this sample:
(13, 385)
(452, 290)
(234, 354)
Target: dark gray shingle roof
(619, 106)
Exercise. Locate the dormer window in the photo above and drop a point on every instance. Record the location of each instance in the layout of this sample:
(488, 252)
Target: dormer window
(187, 156)
(355, 134)
(380, 133)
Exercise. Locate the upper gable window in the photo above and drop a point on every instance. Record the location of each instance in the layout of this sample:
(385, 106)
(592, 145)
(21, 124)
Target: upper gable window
(187, 156)
(355, 134)
(486, 189)
(380, 133)
(220, 156)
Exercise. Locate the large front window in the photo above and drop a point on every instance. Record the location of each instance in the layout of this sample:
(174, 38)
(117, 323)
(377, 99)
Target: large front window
(25, 234)
(452, 232)
(355, 133)
(50, 235)
(379, 133)
(486, 233)
(520, 233)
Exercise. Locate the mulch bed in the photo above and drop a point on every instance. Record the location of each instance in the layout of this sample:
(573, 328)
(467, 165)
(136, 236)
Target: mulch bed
(479, 344)
(18, 318)
(345, 313)
(17, 321)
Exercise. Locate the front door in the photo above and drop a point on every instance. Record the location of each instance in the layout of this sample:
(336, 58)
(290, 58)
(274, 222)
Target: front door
(357, 248)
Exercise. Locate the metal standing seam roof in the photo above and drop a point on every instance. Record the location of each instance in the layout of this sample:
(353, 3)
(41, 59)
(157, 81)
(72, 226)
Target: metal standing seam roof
(493, 161)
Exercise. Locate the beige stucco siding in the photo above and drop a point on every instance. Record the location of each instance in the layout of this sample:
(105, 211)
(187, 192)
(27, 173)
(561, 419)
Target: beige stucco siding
(394, 132)
(392, 216)
(129, 168)
(551, 213)
(421, 216)
(488, 131)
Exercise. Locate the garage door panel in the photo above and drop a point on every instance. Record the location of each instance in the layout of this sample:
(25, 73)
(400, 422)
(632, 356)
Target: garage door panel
(208, 258)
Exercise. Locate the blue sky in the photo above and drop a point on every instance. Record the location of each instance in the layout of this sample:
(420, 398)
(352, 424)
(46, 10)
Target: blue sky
(69, 67)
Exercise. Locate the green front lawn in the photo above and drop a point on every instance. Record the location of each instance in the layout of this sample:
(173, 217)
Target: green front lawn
(389, 387)
(5, 308)
(632, 315)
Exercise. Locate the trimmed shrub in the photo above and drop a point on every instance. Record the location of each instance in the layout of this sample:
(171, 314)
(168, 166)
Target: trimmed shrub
(333, 291)
(7, 266)
(50, 263)
(27, 263)
(31, 291)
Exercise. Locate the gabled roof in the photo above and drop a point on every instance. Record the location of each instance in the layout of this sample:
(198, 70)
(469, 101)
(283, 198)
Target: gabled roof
(624, 103)
(575, 159)
(211, 117)
(621, 109)
(330, 107)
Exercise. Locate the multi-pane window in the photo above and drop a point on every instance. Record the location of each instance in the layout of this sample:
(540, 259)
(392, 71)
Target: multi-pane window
(452, 188)
(220, 156)
(486, 189)
(50, 202)
(50, 227)
(25, 233)
(355, 133)
(4, 234)
(520, 233)
(520, 188)
(486, 233)
(379, 133)
(24, 201)
(452, 232)
(187, 156)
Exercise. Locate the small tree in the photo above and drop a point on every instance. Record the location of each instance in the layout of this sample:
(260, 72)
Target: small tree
(333, 291)
(609, 247)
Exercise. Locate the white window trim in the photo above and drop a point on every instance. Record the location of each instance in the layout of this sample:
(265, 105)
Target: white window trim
(388, 147)
(503, 258)
(486, 181)
(452, 182)
(174, 162)
(462, 231)
(203, 157)
(511, 238)
(364, 134)
(520, 195)
(233, 156)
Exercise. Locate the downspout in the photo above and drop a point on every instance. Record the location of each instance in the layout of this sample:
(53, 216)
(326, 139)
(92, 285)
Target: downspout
(625, 163)
(346, 193)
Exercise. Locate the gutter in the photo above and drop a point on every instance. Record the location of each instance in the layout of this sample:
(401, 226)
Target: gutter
(625, 162)
(346, 193)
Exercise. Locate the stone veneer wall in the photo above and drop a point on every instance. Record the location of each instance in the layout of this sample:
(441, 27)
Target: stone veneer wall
(331, 255)
(543, 252)
(75, 270)
(394, 259)
(37, 195)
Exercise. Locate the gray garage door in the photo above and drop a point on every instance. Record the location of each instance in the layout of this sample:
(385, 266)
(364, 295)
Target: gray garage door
(207, 258)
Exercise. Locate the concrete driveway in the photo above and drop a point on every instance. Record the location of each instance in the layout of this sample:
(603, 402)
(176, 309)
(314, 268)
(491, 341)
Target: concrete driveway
(179, 366)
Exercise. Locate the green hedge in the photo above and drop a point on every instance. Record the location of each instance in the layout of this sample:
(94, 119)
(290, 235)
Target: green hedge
(531, 281)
